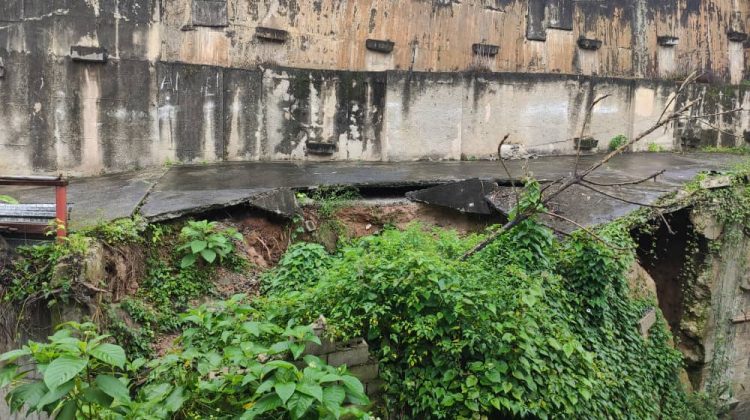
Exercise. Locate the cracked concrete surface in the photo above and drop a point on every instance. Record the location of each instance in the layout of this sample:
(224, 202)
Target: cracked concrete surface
(177, 191)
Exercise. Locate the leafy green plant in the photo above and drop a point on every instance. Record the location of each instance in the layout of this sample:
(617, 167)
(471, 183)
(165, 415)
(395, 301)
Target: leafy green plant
(298, 268)
(331, 199)
(7, 199)
(529, 327)
(76, 374)
(243, 366)
(204, 240)
(121, 231)
(655, 148)
(33, 273)
(617, 141)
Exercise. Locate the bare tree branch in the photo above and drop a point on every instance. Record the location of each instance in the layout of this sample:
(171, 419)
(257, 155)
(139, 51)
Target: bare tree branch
(664, 219)
(502, 162)
(584, 184)
(585, 229)
(714, 114)
(586, 119)
(615, 184)
(577, 178)
(692, 77)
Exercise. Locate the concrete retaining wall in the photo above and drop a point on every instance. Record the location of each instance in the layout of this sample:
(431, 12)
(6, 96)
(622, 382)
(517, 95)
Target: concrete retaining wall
(92, 86)
(60, 115)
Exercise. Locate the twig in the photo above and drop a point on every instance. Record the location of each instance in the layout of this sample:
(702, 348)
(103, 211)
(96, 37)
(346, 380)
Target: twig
(640, 181)
(558, 180)
(583, 128)
(720, 130)
(664, 219)
(576, 178)
(585, 229)
(731, 111)
(507, 172)
(584, 184)
(692, 77)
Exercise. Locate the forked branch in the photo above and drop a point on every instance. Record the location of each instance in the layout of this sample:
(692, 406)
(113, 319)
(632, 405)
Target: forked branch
(665, 118)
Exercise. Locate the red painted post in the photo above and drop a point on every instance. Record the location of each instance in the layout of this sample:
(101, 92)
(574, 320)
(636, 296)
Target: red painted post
(61, 210)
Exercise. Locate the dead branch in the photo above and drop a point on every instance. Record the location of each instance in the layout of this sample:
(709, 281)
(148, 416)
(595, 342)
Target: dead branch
(692, 77)
(584, 184)
(616, 184)
(585, 229)
(664, 219)
(507, 172)
(586, 119)
(577, 178)
(714, 114)
(546, 187)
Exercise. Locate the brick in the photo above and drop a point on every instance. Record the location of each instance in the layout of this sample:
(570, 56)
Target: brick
(374, 388)
(355, 354)
(326, 346)
(366, 372)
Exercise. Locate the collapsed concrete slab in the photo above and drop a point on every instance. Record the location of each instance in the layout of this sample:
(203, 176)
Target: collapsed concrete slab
(192, 189)
(464, 196)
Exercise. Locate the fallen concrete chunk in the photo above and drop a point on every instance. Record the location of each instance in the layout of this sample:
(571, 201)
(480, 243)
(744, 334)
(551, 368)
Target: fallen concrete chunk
(716, 182)
(281, 201)
(464, 196)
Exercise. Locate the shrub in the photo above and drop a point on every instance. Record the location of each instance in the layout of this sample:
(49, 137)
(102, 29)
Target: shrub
(617, 141)
(529, 327)
(298, 269)
(203, 240)
(229, 365)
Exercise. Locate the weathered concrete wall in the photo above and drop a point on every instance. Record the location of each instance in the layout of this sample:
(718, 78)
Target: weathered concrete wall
(87, 118)
(207, 80)
(428, 35)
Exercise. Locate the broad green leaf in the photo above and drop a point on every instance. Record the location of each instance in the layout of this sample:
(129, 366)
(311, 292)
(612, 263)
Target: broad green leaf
(265, 387)
(252, 328)
(62, 370)
(330, 377)
(175, 400)
(7, 199)
(187, 261)
(97, 396)
(279, 347)
(494, 376)
(297, 349)
(285, 390)
(7, 373)
(282, 364)
(24, 394)
(111, 354)
(113, 387)
(298, 405)
(14, 354)
(209, 255)
(198, 246)
(68, 411)
(312, 390)
(353, 385)
(333, 396)
(55, 395)
(267, 403)
(568, 349)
